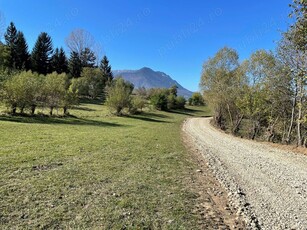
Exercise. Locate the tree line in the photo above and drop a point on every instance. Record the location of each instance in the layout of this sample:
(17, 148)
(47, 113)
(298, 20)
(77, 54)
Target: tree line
(46, 78)
(265, 96)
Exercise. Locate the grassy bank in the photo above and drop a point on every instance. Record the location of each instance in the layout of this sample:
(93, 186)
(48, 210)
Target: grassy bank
(95, 171)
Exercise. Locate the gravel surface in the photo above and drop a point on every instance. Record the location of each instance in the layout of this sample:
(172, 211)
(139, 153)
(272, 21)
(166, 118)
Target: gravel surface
(266, 185)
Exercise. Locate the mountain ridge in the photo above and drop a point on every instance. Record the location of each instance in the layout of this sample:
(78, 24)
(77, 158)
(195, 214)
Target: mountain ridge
(148, 78)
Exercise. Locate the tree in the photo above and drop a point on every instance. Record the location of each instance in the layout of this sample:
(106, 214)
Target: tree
(59, 61)
(55, 90)
(22, 55)
(119, 96)
(221, 81)
(4, 57)
(173, 90)
(22, 90)
(75, 65)
(10, 40)
(295, 60)
(180, 102)
(41, 54)
(88, 58)
(94, 82)
(196, 99)
(106, 69)
(159, 99)
(78, 40)
(299, 11)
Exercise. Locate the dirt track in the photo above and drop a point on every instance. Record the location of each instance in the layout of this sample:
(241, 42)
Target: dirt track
(267, 186)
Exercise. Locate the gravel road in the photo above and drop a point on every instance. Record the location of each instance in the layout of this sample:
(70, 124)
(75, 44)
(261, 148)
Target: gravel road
(266, 185)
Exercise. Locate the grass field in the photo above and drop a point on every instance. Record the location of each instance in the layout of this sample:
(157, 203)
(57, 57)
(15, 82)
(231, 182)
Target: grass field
(96, 171)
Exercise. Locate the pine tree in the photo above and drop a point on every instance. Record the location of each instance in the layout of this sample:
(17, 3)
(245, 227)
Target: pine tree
(22, 55)
(88, 58)
(75, 65)
(59, 61)
(106, 69)
(10, 40)
(41, 54)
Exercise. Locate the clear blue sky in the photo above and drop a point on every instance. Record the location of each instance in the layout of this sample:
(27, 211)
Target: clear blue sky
(175, 37)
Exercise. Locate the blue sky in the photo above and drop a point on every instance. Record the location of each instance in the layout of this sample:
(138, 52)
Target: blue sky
(175, 37)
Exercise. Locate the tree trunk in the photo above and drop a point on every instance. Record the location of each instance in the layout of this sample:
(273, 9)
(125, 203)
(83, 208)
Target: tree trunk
(65, 110)
(22, 109)
(14, 108)
(230, 116)
(33, 107)
(51, 111)
(292, 115)
(255, 129)
(238, 123)
(300, 113)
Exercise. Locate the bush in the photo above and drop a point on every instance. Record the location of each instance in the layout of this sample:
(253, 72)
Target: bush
(196, 99)
(22, 90)
(180, 102)
(119, 96)
(159, 101)
(138, 102)
(29, 90)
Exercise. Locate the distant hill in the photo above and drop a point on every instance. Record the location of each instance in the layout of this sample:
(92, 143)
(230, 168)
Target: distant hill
(149, 78)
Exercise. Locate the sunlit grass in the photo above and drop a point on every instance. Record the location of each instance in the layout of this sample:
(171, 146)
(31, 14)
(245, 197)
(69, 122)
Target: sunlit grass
(93, 170)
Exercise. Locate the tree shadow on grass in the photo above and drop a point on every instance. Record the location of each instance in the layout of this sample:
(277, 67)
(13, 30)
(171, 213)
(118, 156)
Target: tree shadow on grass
(149, 117)
(67, 120)
(186, 111)
(83, 109)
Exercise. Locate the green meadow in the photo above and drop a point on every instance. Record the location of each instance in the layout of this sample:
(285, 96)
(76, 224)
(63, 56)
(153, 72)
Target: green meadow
(94, 170)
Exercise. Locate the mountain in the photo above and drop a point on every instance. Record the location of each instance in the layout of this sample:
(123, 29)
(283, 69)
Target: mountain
(149, 78)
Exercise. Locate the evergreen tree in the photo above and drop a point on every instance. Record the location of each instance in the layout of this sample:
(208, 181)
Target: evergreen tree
(75, 65)
(106, 69)
(21, 50)
(10, 40)
(59, 61)
(41, 54)
(88, 58)
(4, 57)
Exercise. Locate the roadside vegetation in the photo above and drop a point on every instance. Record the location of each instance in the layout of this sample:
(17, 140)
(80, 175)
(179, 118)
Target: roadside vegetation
(263, 97)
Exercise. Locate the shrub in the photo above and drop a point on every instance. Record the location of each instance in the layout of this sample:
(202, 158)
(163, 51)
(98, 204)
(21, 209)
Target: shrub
(119, 96)
(180, 102)
(196, 99)
(159, 101)
(22, 90)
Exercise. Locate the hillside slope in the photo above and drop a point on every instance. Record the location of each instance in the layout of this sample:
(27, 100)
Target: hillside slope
(149, 78)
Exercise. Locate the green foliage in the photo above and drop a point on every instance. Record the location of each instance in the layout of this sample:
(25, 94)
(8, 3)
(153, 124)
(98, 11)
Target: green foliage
(18, 49)
(22, 59)
(27, 90)
(75, 65)
(180, 102)
(196, 99)
(22, 90)
(106, 70)
(41, 54)
(92, 82)
(54, 90)
(88, 58)
(159, 100)
(119, 96)
(221, 80)
(4, 57)
(59, 61)
(138, 103)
